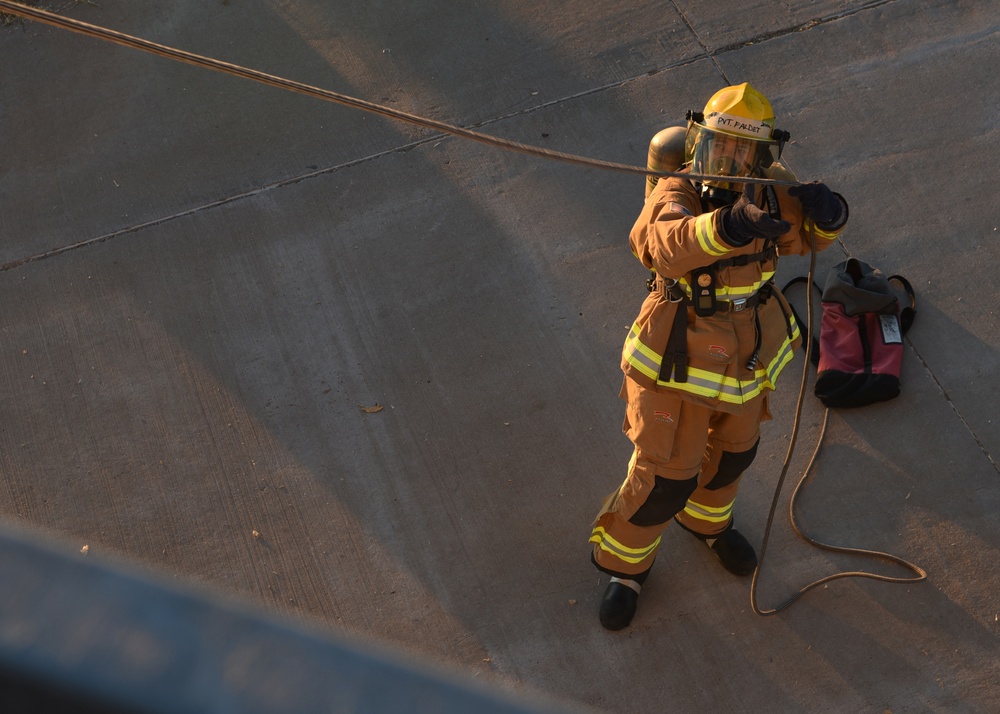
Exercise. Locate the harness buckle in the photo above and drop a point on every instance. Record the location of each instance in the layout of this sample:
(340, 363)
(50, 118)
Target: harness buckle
(739, 305)
(670, 290)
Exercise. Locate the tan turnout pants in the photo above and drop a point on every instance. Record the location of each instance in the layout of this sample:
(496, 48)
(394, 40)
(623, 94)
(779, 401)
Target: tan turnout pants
(687, 463)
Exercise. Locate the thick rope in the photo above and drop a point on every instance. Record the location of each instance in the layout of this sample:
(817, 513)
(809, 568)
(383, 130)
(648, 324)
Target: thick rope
(172, 53)
(921, 574)
(137, 43)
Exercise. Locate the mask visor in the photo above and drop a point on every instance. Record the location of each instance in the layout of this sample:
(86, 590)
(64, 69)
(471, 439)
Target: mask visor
(720, 154)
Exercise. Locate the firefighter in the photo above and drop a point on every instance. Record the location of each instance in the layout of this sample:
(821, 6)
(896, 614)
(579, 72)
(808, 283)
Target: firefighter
(709, 342)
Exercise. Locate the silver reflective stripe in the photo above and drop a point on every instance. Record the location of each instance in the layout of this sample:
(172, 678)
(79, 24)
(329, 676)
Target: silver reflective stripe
(709, 513)
(620, 551)
(628, 583)
(705, 233)
(640, 356)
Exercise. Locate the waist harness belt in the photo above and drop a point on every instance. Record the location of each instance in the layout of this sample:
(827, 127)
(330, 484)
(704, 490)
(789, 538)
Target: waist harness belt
(705, 303)
(674, 363)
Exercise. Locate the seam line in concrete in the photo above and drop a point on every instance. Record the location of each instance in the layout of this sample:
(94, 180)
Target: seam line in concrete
(954, 407)
(944, 392)
(213, 204)
(802, 27)
(706, 54)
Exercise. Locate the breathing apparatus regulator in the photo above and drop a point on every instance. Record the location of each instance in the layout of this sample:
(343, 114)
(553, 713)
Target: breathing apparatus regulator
(733, 136)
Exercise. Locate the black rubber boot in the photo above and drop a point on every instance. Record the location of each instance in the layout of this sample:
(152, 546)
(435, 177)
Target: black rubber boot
(734, 550)
(619, 603)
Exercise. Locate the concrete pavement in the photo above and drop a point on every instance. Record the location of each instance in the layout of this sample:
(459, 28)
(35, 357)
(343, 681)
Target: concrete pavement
(369, 382)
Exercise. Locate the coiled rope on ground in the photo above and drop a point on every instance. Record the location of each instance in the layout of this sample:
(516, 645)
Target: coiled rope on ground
(920, 573)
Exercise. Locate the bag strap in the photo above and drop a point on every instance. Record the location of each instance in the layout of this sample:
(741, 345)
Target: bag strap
(803, 324)
(909, 312)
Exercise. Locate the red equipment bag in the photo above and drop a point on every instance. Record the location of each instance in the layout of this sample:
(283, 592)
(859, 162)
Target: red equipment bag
(861, 335)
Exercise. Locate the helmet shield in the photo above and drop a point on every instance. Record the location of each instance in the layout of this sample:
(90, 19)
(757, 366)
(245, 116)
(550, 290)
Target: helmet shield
(720, 153)
(733, 136)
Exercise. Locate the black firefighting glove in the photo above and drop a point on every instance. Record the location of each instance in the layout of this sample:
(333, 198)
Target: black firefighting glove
(743, 222)
(819, 203)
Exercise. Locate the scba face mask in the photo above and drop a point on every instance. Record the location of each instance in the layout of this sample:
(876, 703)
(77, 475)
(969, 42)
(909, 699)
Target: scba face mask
(725, 155)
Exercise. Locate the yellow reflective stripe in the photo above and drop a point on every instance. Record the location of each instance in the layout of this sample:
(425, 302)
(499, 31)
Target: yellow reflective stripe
(711, 385)
(705, 232)
(640, 356)
(704, 383)
(622, 552)
(713, 514)
(781, 360)
(828, 235)
(731, 291)
(744, 291)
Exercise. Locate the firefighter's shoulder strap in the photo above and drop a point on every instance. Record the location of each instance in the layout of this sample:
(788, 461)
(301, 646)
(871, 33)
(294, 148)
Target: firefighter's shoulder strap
(674, 363)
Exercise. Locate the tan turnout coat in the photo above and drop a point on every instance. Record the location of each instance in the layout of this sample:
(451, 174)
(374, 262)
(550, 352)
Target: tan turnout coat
(672, 237)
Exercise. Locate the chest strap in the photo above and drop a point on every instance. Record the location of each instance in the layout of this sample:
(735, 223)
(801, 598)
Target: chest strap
(673, 292)
(740, 260)
(674, 363)
(736, 262)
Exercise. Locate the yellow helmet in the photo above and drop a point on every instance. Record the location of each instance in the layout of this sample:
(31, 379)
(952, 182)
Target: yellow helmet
(734, 136)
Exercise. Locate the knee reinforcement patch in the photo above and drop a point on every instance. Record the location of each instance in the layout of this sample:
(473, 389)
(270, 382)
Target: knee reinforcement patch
(665, 500)
(731, 467)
